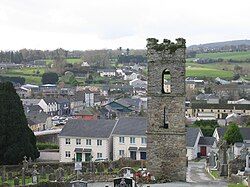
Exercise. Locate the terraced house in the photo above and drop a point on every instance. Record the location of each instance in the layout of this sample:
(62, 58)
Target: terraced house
(86, 140)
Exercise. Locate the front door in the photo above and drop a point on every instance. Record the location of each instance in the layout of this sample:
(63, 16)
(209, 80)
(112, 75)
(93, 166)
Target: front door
(78, 157)
(133, 155)
(87, 157)
(203, 151)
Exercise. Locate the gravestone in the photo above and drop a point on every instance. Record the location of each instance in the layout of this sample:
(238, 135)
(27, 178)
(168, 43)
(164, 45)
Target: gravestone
(123, 182)
(10, 175)
(212, 159)
(59, 174)
(25, 163)
(43, 173)
(3, 174)
(224, 165)
(247, 168)
(79, 184)
(35, 175)
(23, 176)
(16, 181)
(243, 153)
(49, 169)
(52, 177)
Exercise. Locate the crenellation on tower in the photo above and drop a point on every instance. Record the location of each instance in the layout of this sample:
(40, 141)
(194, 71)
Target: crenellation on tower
(166, 110)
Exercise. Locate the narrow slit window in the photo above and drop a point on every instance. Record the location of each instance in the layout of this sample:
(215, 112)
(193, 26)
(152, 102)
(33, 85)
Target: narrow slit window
(166, 81)
(166, 122)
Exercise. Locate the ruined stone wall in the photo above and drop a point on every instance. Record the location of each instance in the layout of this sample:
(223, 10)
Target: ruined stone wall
(166, 147)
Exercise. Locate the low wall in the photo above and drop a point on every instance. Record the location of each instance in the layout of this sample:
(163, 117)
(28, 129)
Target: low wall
(49, 155)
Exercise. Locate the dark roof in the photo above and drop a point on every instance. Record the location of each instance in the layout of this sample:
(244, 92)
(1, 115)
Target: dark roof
(206, 140)
(49, 100)
(95, 128)
(199, 105)
(191, 136)
(62, 100)
(131, 126)
(245, 132)
(35, 114)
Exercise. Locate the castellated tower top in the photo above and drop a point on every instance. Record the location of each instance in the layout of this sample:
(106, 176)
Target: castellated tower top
(167, 46)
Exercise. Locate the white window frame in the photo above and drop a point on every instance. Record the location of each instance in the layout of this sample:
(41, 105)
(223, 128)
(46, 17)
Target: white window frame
(121, 153)
(78, 141)
(67, 141)
(132, 138)
(67, 154)
(99, 155)
(121, 139)
(88, 141)
(143, 140)
(99, 142)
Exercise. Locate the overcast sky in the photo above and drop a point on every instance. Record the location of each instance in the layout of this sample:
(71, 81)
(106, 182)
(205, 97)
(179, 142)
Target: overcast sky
(99, 24)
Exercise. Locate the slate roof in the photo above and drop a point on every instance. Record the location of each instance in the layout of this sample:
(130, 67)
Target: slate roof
(243, 130)
(35, 114)
(191, 136)
(95, 128)
(62, 100)
(206, 141)
(48, 100)
(131, 126)
(199, 105)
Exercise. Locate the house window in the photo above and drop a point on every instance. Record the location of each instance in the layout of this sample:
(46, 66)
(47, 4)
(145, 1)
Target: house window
(88, 141)
(99, 155)
(67, 154)
(132, 140)
(143, 140)
(211, 110)
(99, 142)
(121, 139)
(67, 141)
(244, 111)
(121, 153)
(78, 141)
(166, 81)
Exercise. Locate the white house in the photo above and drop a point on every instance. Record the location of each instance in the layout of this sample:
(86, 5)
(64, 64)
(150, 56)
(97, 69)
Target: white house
(85, 140)
(49, 106)
(192, 140)
(129, 138)
(107, 72)
(129, 75)
(137, 83)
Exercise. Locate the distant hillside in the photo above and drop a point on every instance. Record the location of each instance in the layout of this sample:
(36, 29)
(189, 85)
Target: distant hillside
(235, 45)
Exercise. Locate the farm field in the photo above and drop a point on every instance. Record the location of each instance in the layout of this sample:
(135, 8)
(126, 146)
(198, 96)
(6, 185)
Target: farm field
(28, 79)
(68, 60)
(243, 55)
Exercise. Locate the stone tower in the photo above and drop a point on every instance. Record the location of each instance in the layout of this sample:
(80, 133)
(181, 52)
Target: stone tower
(166, 137)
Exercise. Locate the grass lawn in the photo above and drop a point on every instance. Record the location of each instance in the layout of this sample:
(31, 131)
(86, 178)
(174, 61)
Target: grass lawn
(26, 71)
(215, 174)
(28, 79)
(207, 72)
(243, 55)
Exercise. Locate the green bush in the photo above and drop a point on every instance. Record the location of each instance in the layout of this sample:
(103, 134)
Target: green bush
(42, 146)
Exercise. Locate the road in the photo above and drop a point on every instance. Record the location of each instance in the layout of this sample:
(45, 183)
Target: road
(196, 177)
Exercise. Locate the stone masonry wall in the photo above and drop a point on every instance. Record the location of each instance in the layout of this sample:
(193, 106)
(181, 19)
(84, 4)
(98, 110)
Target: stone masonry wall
(166, 147)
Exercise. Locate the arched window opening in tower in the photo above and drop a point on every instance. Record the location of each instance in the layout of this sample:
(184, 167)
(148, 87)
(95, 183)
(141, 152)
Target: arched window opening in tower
(166, 81)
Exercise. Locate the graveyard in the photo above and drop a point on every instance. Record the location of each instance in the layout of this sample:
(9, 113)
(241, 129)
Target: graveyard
(61, 174)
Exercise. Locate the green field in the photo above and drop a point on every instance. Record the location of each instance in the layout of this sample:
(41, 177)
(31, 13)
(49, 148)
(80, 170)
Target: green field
(241, 56)
(26, 71)
(68, 60)
(28, 79)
